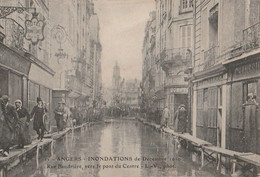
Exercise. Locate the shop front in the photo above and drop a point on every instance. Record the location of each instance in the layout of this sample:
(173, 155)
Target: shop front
(175, 97)
(14, 70)
(209, 106)
(40, 84)
(244, 117)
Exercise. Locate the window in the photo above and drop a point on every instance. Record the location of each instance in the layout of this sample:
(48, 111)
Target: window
(186, 5)
(186, 38)
(213, 27)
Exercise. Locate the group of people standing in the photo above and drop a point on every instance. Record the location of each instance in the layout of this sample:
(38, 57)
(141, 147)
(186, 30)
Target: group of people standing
(179, 122)
(15, 121)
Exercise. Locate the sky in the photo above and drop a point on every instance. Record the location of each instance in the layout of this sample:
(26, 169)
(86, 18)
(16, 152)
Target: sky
(122, 24)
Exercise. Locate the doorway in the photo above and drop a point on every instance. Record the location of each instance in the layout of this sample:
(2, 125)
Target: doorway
(3, 82)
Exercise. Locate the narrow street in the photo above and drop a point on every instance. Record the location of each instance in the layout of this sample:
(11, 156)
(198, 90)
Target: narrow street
(88, 152)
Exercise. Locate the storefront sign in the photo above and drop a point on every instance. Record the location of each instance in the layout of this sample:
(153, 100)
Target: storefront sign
(247, 69)
(179, 90)
(34, 30)
(12, 60)
(211, 80)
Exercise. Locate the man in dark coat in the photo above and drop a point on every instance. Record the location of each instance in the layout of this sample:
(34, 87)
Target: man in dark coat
(60, 113)
(24, 137)
(38, 114)
(10, 124)
(180, 119)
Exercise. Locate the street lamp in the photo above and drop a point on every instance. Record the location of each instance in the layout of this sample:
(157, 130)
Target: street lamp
(60, 35)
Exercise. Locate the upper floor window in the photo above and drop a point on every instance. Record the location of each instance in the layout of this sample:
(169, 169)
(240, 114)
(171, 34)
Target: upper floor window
(186, 5)
(185, 37)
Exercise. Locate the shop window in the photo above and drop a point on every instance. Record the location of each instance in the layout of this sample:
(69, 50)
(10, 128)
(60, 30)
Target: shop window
(205, 98)
(199, 121)
(249, 88)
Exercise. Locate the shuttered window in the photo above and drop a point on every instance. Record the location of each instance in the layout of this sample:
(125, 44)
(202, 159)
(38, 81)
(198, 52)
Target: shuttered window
(199, 108)
(237, 106)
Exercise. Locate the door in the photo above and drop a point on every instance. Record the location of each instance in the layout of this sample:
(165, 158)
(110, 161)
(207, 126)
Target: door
(212, 107)
(250, 121)
(3, 82)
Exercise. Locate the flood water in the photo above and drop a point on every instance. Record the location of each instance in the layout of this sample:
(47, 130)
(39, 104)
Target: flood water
(115, 149)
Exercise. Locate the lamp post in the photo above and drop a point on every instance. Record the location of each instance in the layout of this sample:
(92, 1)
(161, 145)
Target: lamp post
(60, 35)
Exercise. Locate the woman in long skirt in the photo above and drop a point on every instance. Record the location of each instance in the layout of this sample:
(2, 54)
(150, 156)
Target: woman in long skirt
(24, 137)
(38, 113)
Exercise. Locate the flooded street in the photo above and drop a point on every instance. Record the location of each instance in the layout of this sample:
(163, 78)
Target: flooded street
(118, 148)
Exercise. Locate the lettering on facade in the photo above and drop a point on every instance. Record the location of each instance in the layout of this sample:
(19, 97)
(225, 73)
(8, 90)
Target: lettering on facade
(179, 90)
(247, 69)
(211, 80)
(34, 30)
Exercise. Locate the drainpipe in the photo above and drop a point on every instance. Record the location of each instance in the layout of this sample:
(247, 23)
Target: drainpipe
(190, 95)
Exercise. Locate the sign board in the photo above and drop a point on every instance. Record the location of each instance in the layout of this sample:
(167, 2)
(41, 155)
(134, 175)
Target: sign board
(248, 69)
(179, 90)
(12, 60)
(34, 30)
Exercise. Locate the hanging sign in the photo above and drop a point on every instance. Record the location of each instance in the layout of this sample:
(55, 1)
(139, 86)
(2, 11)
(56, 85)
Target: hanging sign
(34, 30)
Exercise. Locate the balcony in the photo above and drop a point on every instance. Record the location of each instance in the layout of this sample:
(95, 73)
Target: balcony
(176, 57)
(251, 37)
(211, 56)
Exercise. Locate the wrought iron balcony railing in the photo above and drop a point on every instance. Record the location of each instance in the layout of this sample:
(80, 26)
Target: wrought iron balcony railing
(210, 57)
(176, 57)
(251, 37)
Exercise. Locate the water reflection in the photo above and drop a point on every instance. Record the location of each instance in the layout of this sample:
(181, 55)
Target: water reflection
(145, 153)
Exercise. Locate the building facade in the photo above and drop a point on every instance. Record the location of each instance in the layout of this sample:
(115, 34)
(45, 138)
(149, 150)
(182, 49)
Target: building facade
(226, 73)
(172, 35)
(56, 67)
(77, 52)
(149, 67)
(25, 70)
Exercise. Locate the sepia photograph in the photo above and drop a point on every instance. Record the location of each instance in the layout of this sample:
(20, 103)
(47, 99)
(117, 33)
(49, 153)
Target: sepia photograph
(129, 88)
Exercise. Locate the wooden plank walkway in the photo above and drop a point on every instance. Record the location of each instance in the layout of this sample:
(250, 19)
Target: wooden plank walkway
(16, 153)
(251, 158)
(222, 151)
(207, 149)
(194, 140)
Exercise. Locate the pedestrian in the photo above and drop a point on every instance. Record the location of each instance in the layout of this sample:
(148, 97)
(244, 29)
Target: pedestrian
(24, 137)
(165, 117)
(10, 124)
(46, 121)
(180, 119)
(38, 114)
(59, 115)
(73, 116)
